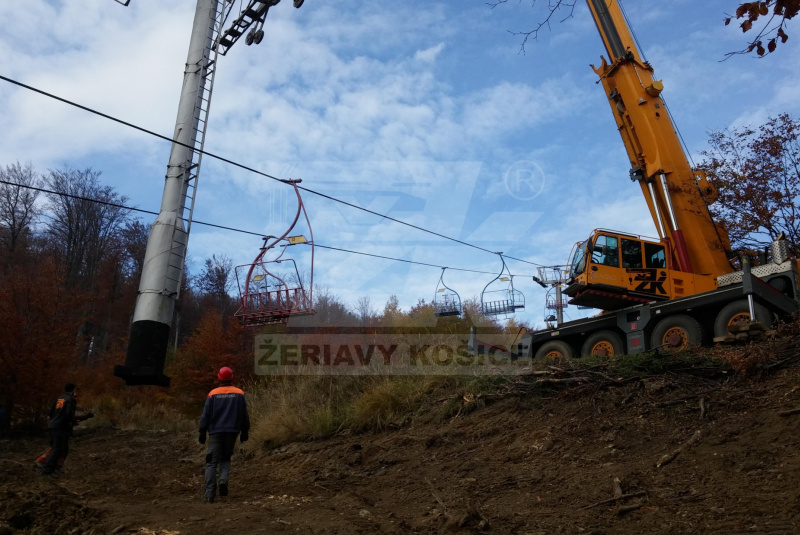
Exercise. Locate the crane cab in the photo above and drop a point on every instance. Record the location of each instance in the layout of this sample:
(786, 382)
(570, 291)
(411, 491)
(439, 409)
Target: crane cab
(613, 270)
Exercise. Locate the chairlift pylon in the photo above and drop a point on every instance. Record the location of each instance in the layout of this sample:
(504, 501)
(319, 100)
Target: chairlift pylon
(268, 295)
(446, 301)
(502, 302)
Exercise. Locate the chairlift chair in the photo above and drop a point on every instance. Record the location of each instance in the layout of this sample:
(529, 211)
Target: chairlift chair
(446, 301)
(504, 301)
(271, 289)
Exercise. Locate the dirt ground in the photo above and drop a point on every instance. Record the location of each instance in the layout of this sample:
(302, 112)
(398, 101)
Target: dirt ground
(512, 467)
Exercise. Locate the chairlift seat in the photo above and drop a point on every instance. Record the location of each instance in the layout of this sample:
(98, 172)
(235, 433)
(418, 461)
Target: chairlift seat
(446, 301)
(265, 296)
(500, 302)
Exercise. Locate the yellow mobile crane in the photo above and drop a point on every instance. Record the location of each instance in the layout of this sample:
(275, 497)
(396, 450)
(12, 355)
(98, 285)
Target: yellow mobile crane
(681, 288)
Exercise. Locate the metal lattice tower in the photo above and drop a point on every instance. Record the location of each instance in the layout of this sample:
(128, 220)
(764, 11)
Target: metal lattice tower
(554, 276)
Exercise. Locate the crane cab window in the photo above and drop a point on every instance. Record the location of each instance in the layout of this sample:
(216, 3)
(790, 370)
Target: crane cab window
(578, 260)
(606, 251)
(631, 254)
(654, 256)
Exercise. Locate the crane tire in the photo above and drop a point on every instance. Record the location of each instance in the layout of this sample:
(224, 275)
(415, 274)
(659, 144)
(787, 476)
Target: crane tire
(554, 349)
(676, 333)
(738, 312)
(603, 343)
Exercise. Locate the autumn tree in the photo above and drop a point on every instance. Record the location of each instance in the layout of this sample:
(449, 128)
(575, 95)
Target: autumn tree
(213, 344)
(757, 174)
(134, 241)
(36, 347)
(215, 282)
(18, 208)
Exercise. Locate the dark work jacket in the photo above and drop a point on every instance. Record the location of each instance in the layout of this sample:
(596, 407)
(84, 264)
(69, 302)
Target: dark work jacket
(62, 414)
(225, 411)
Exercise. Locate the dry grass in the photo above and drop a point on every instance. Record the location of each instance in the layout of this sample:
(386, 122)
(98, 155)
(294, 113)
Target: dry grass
(127, 414)
(289, 409)
(391, 401)
(154, 418)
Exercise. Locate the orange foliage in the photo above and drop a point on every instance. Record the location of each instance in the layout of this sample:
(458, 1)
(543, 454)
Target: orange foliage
(216, 342)
(37, 351)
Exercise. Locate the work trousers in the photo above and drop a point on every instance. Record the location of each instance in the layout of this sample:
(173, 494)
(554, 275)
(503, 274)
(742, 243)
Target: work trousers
(220, 449)
(59, 447)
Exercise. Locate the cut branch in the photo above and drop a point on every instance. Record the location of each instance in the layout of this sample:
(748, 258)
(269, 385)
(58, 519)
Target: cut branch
(669, 457)
(614, 499)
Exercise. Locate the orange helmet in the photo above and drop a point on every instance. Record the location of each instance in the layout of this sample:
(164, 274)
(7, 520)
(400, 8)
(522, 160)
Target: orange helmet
(225, 374)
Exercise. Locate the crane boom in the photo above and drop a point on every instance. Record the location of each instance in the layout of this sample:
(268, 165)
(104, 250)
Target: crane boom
(674, 292)
(676, 195)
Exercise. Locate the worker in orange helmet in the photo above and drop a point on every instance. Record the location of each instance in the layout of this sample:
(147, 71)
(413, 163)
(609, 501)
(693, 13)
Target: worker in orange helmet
(224, 417)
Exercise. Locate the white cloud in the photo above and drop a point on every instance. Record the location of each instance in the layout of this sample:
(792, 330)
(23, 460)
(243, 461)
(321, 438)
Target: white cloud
(414, 109)
(429, 55)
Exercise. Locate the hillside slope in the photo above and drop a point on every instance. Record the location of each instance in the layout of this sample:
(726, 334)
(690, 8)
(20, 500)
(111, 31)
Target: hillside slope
(517, 465)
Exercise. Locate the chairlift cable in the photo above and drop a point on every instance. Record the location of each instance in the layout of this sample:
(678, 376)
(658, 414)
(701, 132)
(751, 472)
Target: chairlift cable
(247, 168)
(233, 229)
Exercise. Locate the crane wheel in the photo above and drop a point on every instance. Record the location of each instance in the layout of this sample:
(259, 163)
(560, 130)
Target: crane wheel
(603, 344)
(554, 349)
(248, 40)
(738, 313)
(258, 36)
(676, 333)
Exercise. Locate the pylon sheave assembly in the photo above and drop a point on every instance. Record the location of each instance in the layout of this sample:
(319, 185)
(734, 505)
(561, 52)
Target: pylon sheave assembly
(499, 297)
(446, 301)
(271, 289)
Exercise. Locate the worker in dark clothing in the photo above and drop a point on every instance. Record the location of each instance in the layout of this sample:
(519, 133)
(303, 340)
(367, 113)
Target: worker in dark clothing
(59, 428)
(224, 417)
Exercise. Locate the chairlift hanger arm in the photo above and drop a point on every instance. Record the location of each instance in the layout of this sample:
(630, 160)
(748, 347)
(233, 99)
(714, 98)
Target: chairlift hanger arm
(268, 246)
(449, 303)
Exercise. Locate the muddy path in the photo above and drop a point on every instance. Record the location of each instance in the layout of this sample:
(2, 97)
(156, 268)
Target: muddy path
(511, 467)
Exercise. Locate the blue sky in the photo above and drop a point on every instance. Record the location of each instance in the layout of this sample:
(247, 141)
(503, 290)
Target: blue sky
(419, 110)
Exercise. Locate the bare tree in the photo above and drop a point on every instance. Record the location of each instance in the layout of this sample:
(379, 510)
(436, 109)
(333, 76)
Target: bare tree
(365, 310)
(86, 217)
(134, 241)
(330, 311)
(17, 203)
(556, 9)
(769, 18)
(216, 280)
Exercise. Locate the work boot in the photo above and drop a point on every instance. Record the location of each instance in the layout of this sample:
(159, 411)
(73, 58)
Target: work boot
(223, 488)
(207, 499)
